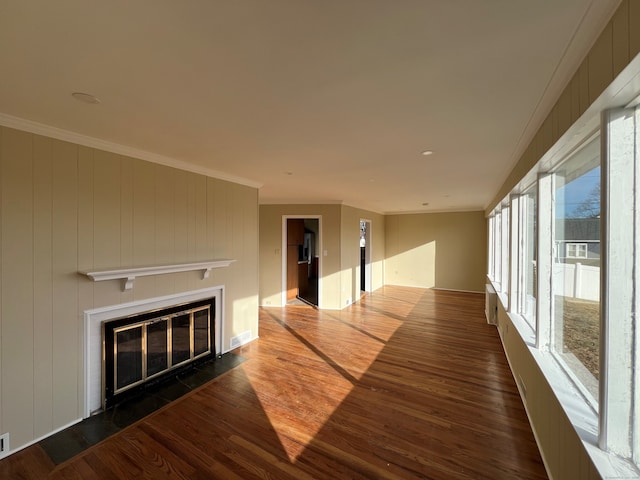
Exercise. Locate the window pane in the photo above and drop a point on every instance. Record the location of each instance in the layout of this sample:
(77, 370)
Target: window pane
(576, 270)
(498, 249)
(504, 281)
(528, 259)
(491, 242)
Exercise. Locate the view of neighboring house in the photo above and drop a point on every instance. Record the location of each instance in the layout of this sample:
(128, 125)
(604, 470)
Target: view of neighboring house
(578, 241)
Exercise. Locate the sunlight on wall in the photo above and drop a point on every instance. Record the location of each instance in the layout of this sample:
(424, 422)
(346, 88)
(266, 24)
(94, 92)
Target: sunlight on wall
(413, 268)
(242, 323)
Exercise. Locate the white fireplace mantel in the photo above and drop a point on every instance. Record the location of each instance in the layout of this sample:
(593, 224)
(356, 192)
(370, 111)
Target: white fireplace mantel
(129, 274)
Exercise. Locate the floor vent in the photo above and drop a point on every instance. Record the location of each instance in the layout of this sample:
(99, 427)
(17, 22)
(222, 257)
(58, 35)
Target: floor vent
(239, 340)
(491, 305)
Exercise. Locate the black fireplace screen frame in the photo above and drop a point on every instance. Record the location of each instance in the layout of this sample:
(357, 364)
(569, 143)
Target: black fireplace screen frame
(145, 366)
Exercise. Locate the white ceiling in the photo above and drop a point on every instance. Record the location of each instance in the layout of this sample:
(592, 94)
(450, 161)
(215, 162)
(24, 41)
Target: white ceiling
(316, 101)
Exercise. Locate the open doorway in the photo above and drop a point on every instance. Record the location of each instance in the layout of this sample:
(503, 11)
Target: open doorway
(301, 269)
(365, 255)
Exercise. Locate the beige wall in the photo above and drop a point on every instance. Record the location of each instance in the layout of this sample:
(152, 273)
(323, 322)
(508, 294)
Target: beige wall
(441, 250)
(271, 251)
(618, 44)
(67, 208)
(339, 238)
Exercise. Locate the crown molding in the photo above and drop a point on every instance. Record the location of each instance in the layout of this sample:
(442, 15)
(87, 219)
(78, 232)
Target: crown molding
(99, 144)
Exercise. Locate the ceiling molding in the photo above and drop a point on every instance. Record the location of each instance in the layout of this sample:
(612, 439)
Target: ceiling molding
(92, 142)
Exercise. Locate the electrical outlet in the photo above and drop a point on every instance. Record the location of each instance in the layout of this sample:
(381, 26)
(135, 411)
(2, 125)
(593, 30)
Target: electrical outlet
(4, 445)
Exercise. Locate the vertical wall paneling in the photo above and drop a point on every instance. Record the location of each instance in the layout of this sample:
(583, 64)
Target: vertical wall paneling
(107, 209)
(583, 73)
(601, 64)
(17, 283)
(42, 285)
(564, 113)
(191, 216)
(86, 178)
(2, 152)
(65, 208)
(85, 243)
(181, 209)
(126, 212)
(144, 224)
(211, 219)
(235, 250)
(574, 87)
(620, 39)
(67, 329)
(106, 223)
(201, 252)
(165, 226)
(634, 31)
(180, 233)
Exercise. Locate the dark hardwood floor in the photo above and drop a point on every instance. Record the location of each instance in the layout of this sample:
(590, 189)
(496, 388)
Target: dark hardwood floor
(408, 383)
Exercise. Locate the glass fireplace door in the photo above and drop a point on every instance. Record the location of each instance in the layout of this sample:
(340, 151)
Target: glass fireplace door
(148, 348)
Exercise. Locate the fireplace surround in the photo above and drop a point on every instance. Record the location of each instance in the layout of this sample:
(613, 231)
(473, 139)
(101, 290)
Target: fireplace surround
(148, 317)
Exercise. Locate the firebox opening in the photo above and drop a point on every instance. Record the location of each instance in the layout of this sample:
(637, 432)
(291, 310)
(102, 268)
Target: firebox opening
(148, 347)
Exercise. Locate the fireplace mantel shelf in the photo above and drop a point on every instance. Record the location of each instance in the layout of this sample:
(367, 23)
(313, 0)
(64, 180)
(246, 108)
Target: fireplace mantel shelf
(129, 274)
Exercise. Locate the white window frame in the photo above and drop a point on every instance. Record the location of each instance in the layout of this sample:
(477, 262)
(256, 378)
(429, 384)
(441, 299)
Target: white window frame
(523, 211)
(618, 408)
(573, 367)
(504, 250)
(619, 296)
(578, 246)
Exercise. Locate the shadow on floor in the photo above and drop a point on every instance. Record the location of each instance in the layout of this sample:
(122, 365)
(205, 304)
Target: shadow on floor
(73, 440)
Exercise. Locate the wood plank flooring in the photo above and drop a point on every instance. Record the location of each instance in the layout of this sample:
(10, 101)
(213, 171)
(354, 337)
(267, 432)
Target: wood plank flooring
(408, 383)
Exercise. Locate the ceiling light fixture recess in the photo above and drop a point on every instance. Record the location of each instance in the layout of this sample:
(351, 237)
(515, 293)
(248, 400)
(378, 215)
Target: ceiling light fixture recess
(85, 98)
(426, 153)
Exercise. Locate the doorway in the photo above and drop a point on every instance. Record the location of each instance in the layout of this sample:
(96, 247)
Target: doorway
(365, 255)
(301, 264)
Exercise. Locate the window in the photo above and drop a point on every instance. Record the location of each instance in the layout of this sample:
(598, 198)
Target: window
(490, 256)
(497, 270)
(575, 333)
(576, 250)
(527, 257)
(554, 266)
(504, 251)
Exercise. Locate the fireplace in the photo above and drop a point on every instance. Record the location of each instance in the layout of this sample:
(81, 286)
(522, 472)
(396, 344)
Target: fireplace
(148, 346)
(148, 339)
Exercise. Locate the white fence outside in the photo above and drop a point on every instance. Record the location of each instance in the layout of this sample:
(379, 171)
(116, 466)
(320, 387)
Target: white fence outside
(577, 281)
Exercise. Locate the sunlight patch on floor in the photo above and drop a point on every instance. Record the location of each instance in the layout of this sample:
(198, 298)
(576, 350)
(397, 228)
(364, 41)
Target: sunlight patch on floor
(300, 411)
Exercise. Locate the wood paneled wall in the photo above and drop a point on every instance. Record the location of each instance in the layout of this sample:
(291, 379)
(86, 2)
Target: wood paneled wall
(564, 452)
(616, 46)
(67, 208)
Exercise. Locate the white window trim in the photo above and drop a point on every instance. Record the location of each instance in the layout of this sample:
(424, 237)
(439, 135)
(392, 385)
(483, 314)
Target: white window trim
(618, 247)
(578, 247)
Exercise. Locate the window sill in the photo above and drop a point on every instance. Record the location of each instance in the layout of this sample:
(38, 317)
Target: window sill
(575, 406)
